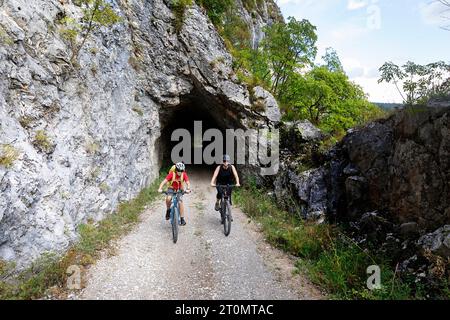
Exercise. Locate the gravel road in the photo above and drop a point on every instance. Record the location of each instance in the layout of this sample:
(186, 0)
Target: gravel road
(204, 264)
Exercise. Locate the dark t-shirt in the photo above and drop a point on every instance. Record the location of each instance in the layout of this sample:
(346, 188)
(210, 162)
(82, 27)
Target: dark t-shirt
(225, 176)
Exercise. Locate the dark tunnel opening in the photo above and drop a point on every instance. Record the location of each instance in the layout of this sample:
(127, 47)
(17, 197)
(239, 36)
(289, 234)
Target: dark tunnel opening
(194, 107)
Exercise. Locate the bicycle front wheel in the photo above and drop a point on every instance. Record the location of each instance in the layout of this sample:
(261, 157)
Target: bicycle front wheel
(175, 219)
(227, 219)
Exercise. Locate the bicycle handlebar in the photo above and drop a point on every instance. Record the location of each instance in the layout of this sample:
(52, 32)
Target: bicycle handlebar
(224, 185)
(182, 192)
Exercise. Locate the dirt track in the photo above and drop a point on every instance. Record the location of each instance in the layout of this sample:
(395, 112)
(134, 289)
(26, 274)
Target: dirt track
(204, 264)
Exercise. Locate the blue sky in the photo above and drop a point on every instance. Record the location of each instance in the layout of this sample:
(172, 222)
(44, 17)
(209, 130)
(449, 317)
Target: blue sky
(366, 33)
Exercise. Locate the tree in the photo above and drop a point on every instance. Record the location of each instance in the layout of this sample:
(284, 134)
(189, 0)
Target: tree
(332, 61)
(328, 99)
(287, 48)
(96, 14)
(419, 82)
(390, 72)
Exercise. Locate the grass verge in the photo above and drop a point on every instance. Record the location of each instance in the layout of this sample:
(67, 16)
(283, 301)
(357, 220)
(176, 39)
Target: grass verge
(330, 259)
(50, 271)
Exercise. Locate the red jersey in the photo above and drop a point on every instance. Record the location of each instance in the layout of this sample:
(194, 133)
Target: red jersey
(176, 185)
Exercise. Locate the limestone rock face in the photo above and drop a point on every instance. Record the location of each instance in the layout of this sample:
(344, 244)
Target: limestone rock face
(437, 242)
(86, 135)
(258, 16)
(398, 166)
(405, 161)
(304, 194)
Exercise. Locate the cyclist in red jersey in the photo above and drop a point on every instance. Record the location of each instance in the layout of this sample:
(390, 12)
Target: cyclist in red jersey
(175, 181)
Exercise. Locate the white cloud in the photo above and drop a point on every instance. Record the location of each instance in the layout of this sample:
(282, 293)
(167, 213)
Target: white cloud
(434, 12)
(356, 4)
(367, 78)
(372, 73)
(379, 92)
(354, 68)
(356, 72)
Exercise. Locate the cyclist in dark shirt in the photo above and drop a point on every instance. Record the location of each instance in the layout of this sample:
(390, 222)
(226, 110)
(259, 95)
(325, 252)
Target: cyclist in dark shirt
(225, 174)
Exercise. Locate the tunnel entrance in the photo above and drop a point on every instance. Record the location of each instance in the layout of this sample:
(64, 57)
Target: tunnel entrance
(194, 107)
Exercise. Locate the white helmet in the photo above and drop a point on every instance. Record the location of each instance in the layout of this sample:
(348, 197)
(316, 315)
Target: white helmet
(180, 167)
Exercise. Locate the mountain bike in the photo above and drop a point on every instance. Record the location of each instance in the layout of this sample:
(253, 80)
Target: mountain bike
(175, 219)
(225, 208)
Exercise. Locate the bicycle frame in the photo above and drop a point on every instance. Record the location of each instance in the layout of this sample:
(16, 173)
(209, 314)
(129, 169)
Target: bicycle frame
(175, 204)
(225, 194)
(225, 207)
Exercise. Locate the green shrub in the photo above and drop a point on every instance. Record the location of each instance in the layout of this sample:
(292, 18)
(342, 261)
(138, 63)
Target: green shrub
(138, 110)
(104, 187)
(26, 121)
(96, 14)
(179, 8)
(42, 141)
(329, 258)
(216, 9)
(8, 154)
(4, 37)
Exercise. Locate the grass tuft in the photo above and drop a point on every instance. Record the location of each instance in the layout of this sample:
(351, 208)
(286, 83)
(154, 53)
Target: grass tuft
(42, 141)
(8, 155)
(329, 258)
(49, 271)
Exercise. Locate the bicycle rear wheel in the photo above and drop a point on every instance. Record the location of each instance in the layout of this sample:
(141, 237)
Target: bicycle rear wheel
(175, 220)
(227, 219)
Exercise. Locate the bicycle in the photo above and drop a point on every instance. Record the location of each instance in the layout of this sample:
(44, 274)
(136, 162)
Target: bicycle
(225, 208)
(175, 218)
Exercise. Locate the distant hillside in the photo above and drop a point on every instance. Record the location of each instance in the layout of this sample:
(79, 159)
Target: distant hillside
(389, 106)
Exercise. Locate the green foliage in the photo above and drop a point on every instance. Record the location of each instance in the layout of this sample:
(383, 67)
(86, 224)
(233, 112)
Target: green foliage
(4, 37)
(252, 5)
(70, 29)
(179, 8)
(138, 110)
(332, 61)
(324, 94)
(236, 31)
(104, 187)
(216, 9)
(8, 154)
(328, 99)
(419, 82)
(330, 259)
(50, 270)
(42, 141)
(25, 121)
(288, 48)
(96, 14)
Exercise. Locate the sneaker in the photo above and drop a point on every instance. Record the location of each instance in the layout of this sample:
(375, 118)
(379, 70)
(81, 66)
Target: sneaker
(183, 222)
(168, 214)
(217, 207)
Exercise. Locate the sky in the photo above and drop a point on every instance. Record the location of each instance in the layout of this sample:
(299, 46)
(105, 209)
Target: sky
(367, 33)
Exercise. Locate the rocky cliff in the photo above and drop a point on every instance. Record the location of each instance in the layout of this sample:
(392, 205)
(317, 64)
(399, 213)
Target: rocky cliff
(78, 138)
(387, 182)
